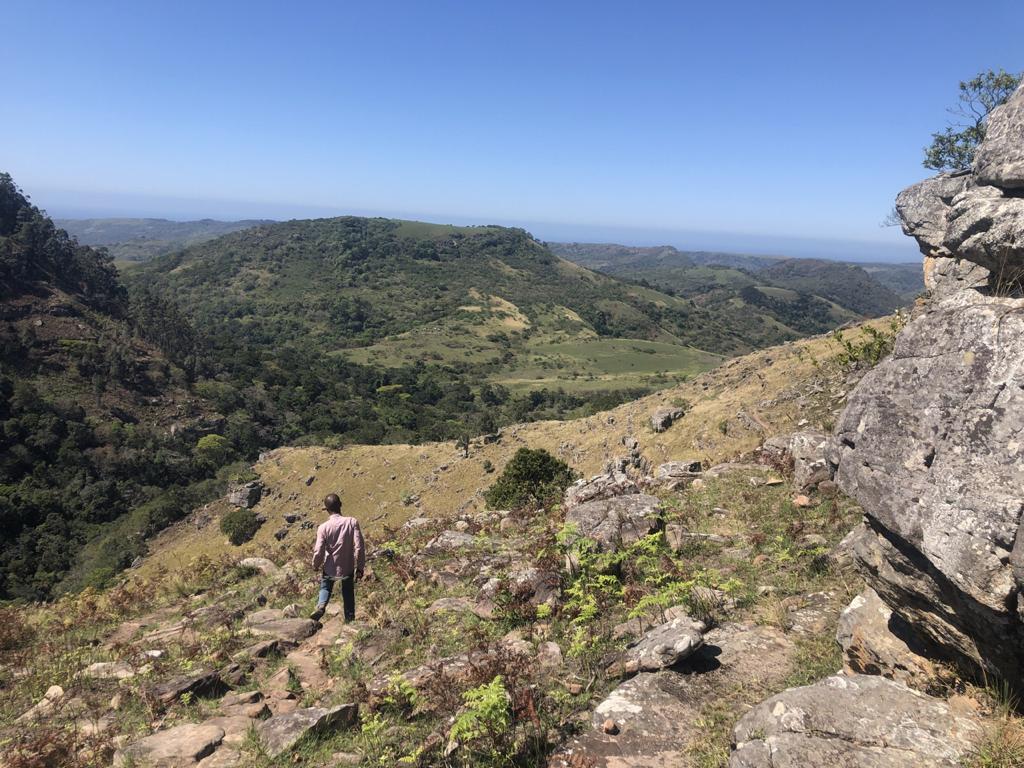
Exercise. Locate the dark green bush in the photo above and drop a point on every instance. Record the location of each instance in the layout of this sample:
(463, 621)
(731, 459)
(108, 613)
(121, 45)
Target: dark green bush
(532, 476)
(239, 525)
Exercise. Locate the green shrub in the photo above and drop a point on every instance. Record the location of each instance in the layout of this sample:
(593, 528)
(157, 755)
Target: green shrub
(239, 525)
(532, 476)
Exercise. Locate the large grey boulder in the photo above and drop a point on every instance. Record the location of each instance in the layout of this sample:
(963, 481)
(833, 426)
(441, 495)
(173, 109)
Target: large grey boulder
(944, 275)
(245, 495)
(986, 225)
(979, 215)
(663, 418)
(1000, 159)
(612, 524)
(177, 747)
(282, 732)
(924, 206)
(932, 446)
(851, 721)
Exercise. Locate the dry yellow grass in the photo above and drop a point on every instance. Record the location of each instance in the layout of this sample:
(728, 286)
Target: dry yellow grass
(732, 409)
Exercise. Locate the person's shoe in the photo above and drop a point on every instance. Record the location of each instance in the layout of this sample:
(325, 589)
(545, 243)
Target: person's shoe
(318, 613)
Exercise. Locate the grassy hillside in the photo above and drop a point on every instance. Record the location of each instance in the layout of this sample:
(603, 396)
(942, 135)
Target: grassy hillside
(731, 410)
(135, 240)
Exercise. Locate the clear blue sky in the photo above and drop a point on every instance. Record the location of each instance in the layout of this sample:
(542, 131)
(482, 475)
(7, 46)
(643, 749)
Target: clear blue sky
(770, 126)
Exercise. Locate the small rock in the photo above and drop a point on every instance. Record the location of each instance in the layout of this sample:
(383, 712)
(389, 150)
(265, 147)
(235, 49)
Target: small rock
(109, 670)
(802, 501)
(610, 727)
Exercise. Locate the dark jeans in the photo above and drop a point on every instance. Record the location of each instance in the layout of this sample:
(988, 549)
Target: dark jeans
(348, 594)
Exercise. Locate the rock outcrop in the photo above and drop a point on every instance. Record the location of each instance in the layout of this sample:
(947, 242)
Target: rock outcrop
(875, 642)
(932, 440)
(855, 720)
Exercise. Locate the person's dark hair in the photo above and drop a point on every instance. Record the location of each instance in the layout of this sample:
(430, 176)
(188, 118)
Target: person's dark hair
(332, 503)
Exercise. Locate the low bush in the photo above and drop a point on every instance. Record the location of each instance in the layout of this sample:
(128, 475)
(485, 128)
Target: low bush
(239, 525)
(530, 477)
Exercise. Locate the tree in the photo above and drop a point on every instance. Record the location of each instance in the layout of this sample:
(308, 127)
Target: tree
(214, 451)
(953, 148)
(531, 476)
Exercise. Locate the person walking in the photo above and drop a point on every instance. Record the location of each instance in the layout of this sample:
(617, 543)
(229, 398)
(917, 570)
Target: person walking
(338, 555)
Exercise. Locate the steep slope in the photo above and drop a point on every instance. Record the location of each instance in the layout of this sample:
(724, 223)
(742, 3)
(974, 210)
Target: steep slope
(97, 427)
(132, 240)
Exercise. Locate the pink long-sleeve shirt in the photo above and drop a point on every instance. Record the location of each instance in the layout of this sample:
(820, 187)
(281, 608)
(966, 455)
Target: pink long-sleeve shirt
(339, 548)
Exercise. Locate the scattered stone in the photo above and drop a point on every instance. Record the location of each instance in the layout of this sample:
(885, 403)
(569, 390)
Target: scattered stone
(346, 758)
(280, 534)
(460, 605)
(282, 732)
(110, 670)
(549, 655)
(604, 486)
(610, 727)
(461, 525)
(235, 727)
(858, 720)
(448, 543)
(812, 541)
(51, 699)
(663, 646)
(678, 474)
(807, 452)
(182, 745)
(659, 714)
(262, 649)
(802, 501)
(202, 683)
(678, 538)
(286, 630)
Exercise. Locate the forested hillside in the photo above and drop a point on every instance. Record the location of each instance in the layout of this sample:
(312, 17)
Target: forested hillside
(791, 297)
(98, 446)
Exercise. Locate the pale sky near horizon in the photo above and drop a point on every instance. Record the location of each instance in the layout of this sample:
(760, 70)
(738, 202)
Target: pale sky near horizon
(783, 127)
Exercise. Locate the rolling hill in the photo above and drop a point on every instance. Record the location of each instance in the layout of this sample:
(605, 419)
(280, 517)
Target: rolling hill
(391, 294)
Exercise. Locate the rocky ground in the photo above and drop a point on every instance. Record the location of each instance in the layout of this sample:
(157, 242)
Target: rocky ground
(736, 583)
(639, 622)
